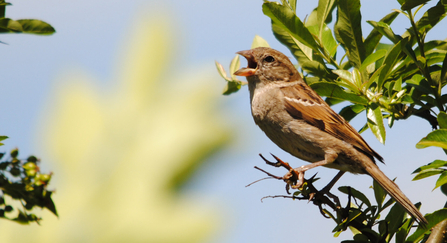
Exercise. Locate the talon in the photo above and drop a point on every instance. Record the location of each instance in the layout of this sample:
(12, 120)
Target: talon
(276, 164)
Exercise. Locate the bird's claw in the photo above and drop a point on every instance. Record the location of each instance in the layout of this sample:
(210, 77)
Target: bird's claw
(295, 178)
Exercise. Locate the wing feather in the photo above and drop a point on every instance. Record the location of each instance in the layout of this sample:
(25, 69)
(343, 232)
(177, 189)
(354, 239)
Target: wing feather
(301, 102)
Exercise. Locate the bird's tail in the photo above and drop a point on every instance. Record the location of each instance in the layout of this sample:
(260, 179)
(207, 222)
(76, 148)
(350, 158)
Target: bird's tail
(394, 191)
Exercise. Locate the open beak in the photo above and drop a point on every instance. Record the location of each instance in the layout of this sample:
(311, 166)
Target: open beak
(251, 66)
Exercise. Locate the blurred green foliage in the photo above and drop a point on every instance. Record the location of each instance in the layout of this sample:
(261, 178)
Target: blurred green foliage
(21, 180)
(28, 26)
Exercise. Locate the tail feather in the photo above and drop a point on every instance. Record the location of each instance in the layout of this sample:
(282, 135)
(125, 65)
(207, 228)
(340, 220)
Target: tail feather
(394, 191)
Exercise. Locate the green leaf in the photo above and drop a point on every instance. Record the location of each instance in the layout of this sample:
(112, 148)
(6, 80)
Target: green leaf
(442, 120)
(346, 79)
(433, 219)
(234, 66)
(375, 121)
(348, 30)
(433, 165)
(232, 87)
(310, 63)
(35, 26)
(427, 173)
(372, 59)
(403, 231)
(332, 90)
(324, 9)
(420, 83)
(258, 41)
(292, 4)
(372, 41)
(351, 111)
(394, 218)
(357, 194)
(443, 77)
(444, 189)
(9, 25)
(429, 19)
(441, 180)
(385, 29)
(379, 193)
(437, 138)
(409, 4)
(390, 60)
(374, 77)
(285, 18)
(326, 39)
(221, 71)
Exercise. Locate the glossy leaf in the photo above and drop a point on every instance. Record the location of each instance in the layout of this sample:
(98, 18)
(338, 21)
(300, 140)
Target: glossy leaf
(379, 194)
(326, 39)
(221, 70)
(231, 87)
(374, 77)
(409, 4)
(375, 122)
(427, 173)
(310, 63)
(442, 120)
(372, 40)
(258, 41)
(355, 193)
(348, 30)
(385, 29)
(433, 165)
(429, 19)
(9, 25)
(292, 4)
(394, 218)
(443, 77)
(437, 138)
(389, 62)
(433, 219)
(351, 111)
(420, 83)
(346, 79)
(441, 180)
(1, 139)
(234, 66)
(324, 9)
(288, 21)
(334, 91)
(35, 26)
(372, 59)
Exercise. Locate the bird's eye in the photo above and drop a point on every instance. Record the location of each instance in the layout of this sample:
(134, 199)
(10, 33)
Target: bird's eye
(269, 59)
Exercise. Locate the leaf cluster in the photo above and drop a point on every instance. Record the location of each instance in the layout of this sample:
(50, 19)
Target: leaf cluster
(21, 181)
(388, 81)
(28, 26)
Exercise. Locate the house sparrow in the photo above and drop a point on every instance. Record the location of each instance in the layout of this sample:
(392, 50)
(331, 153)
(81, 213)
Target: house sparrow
(300, 122)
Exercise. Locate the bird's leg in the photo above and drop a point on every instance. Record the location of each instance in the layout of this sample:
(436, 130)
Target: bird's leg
(291, 177)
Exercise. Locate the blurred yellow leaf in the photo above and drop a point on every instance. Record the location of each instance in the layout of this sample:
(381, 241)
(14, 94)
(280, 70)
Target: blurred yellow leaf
(121, 153)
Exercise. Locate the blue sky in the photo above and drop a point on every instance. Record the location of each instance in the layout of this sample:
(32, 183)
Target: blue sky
(90, 35)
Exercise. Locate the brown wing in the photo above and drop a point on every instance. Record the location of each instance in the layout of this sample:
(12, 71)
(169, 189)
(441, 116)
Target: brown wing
(302, 102)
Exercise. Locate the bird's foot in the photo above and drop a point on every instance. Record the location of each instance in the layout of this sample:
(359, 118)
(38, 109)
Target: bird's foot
(295, 177)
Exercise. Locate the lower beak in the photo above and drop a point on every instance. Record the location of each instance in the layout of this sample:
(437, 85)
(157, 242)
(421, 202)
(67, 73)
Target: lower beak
(251, 66)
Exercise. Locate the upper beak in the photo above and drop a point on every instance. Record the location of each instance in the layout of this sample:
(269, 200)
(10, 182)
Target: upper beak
(251, 66)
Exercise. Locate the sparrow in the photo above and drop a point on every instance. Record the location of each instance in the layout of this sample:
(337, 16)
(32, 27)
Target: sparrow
(300, 122)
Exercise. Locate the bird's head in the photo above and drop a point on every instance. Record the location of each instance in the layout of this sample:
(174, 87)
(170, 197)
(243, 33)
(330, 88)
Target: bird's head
(267, 65)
